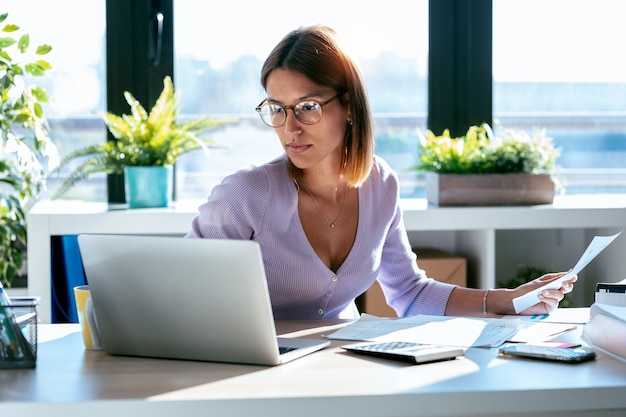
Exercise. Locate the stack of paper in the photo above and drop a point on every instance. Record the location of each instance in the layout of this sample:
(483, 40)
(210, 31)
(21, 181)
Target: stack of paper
(438, 330)
(449, 331)
(606, 329)
(613, 293)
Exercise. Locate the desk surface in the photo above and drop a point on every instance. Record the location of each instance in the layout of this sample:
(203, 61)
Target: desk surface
(70, 381)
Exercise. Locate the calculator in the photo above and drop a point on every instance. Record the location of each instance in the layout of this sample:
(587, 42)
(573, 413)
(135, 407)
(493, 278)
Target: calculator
(415, 353)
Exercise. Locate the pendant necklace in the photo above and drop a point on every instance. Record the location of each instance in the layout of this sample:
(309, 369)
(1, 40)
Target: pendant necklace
(343, 202)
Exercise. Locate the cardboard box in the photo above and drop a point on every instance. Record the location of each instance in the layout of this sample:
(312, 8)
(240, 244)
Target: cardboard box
(442, 266)
(438, 264)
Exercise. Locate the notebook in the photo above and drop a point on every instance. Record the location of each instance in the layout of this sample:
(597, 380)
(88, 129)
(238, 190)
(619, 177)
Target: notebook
(179, 298)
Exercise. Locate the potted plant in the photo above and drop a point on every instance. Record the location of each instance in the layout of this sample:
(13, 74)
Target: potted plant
(479, 168)
(146, 147)
(26, 150)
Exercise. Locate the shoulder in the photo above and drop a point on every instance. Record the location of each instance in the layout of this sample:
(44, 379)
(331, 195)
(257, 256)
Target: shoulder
(256, 179)
(384, 179)
(238, 206)
(383, 169)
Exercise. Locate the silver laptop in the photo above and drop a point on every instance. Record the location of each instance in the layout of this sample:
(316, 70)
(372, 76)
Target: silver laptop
(178, 298)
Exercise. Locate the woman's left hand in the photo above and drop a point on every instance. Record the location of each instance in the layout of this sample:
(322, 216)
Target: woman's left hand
(548, 299)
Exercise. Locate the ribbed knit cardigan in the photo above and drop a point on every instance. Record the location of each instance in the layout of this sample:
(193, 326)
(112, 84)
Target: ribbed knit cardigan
(261, 203)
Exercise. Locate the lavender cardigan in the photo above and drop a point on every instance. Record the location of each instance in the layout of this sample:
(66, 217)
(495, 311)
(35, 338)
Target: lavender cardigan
(261, 203)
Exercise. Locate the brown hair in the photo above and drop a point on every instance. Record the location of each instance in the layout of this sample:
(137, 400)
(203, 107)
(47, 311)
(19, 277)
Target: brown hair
(314, 51)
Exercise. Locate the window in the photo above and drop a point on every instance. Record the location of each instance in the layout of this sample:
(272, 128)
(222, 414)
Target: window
(564, 74)
(218, 62)
(76, 84)
(557, 65)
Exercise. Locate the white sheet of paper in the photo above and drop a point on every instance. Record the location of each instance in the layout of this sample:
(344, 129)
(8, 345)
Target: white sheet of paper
(540, 332)
(596, 246)
(448, 331)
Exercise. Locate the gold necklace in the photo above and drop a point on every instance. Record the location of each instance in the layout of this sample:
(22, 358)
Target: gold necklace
(343, 202)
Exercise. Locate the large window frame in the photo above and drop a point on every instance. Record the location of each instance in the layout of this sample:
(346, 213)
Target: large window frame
(459, 74)
(139, 55)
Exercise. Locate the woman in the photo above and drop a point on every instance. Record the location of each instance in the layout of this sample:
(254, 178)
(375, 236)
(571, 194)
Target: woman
(326, 213)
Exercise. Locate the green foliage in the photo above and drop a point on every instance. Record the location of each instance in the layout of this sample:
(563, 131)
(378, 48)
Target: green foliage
(141, 139)
(479, 152)
(25, 145)
(12, 237)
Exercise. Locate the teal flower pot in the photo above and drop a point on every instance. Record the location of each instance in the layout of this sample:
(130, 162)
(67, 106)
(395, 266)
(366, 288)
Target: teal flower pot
(148, 186)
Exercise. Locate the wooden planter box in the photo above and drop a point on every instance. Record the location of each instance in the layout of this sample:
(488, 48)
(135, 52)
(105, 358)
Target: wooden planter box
(489, 189)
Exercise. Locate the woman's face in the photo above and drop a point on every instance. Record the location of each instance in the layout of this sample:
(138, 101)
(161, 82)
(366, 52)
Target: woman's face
(318, 145)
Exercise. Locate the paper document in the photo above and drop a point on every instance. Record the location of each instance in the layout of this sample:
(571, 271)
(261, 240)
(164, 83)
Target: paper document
(540, 332)
(596, 246)
(437, 330)
(611, 293)
(606, 330)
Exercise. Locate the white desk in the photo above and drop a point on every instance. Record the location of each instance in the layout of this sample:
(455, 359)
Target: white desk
(70, 381)
(468, 231)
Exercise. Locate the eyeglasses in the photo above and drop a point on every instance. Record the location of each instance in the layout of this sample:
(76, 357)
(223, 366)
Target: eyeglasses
(308, 112)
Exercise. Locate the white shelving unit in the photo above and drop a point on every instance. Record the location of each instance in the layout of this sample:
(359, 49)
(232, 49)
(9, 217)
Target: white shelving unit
(493, 239)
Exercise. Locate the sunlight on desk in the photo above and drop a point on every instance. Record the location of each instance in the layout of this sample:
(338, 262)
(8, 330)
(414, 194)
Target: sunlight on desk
(309, 376)
(316, 331)
(47, 333)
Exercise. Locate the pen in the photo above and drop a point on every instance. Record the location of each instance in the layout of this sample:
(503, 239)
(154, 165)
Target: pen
(12, 350)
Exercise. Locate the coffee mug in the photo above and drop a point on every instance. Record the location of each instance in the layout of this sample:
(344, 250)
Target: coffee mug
(87, 318)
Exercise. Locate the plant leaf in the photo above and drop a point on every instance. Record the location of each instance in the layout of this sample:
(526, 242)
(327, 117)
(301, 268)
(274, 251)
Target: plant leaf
(6, 42)
(9, 27)
(43, 49)
(34, 69)
(23, 43)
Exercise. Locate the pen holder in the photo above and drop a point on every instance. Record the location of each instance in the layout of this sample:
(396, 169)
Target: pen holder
(18, 333)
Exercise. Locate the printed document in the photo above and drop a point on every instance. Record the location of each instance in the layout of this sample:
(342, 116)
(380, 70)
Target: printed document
(437, 330)
(596, 246)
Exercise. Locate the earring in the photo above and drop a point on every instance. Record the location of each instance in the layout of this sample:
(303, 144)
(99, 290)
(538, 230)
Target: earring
(350, 122)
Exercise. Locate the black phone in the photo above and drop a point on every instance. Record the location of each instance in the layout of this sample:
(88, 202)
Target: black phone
(558, 354)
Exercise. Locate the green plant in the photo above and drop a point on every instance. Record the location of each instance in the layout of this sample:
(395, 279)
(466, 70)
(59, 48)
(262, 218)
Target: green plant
(480, 152)
(141, 139)
(26, 150)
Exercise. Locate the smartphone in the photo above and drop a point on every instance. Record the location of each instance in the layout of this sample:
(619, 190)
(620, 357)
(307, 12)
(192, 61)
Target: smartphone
(558, 354)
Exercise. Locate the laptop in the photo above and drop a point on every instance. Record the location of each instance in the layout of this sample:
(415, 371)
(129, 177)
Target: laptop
(183, 298)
